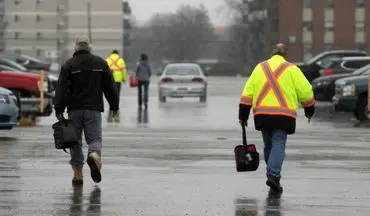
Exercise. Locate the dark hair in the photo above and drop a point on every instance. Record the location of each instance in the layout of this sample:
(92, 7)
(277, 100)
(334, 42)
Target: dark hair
(144, 57)
(280, 49)
(115, 52)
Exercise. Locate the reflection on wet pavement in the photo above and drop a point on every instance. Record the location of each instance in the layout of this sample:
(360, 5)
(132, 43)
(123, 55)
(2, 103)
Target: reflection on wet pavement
(273, 207)
(246, 207)
(176, 158)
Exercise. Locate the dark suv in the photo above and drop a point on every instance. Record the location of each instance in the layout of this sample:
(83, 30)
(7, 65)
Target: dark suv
(345, 65)
(312, 68)
(324, 87)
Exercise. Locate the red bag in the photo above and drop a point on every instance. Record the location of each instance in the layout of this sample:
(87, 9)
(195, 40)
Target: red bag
(134, 81)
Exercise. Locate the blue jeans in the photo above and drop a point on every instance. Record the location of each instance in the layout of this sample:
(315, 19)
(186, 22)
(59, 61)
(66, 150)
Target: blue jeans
(143, 85)
(274, 151)
(89, 122)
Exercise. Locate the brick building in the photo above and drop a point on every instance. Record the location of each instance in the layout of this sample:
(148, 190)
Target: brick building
(311, 26)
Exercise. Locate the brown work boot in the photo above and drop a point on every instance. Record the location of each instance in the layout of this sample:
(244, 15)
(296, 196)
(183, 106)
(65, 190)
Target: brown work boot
(78, 175)
(94, 162)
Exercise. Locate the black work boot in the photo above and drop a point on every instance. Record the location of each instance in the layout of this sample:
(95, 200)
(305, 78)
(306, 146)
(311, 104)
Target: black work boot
(274, 183)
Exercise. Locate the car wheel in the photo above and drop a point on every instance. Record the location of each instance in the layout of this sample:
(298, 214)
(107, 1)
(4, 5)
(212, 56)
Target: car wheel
(361, 108)
(162, 99)
(203, 98)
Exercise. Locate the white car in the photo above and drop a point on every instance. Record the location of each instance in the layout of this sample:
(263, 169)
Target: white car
(180, 80)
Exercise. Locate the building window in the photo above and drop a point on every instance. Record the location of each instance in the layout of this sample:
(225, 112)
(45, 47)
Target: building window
(307, 3)
(329, 4)
(360, 46)
(307, 48)
(38, 52)
(360, 26)
(38, 18)
(328, 46)
(360, 3)
(307, 26)
(16, 18)
(39, 35)
(38, 2)
(329, 25)
(18, 51)
(17, 2)
(17, 35)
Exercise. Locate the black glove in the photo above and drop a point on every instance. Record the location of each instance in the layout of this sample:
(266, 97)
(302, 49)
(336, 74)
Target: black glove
(60, 116)
(309, 111)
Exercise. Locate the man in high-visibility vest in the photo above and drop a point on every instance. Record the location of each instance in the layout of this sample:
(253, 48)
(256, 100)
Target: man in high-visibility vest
(272, 92)
(118, 67)
(119, 70)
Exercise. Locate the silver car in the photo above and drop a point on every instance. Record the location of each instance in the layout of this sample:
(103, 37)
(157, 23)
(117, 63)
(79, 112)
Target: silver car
(180, 80)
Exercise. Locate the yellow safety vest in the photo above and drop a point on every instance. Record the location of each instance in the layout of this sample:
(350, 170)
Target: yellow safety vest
(275, 87)
(118, 66)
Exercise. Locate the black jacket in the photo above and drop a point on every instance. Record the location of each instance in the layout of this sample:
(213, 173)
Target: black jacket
(82, 81)
(272, 122)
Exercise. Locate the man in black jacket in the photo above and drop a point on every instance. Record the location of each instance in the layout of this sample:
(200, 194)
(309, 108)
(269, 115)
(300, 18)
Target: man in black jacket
(82, 81)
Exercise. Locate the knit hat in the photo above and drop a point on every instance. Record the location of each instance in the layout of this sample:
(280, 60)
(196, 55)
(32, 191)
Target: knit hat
(82, 43)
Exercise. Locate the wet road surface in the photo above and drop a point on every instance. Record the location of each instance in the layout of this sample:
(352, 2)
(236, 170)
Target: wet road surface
(177, 159)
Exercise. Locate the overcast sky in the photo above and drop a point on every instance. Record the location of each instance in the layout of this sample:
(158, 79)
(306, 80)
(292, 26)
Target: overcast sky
(142, 10)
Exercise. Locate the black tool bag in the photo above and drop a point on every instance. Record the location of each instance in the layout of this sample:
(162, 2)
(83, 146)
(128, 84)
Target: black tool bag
(246, 156)
(65, 134)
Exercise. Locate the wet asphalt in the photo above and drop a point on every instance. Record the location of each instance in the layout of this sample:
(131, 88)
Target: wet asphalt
(177, 159)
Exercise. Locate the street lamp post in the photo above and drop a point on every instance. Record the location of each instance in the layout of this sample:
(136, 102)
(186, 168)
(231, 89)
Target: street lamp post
(89, 21)
(62, 30)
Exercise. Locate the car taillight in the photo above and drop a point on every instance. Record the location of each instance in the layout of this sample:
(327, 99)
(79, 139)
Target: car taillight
(328, 72)
(197, 79)
(46, 67)
(166, 80)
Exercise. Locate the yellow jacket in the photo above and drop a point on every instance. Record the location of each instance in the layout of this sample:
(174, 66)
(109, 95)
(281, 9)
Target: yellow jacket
(275, 88)
(118, 66)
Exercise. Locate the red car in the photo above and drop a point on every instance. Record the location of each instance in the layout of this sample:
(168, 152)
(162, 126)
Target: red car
(25, 85)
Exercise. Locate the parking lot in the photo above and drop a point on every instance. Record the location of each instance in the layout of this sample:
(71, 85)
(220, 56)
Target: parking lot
(177, 159)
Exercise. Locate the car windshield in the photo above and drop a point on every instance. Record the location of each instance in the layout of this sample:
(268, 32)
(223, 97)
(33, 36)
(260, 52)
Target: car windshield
(31, 59)
(182, 70)
(332, 64)
(6, 68)
(10, 63)
(361, 70)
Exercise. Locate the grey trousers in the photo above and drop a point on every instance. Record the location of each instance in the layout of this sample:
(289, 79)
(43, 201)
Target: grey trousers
(90, 122)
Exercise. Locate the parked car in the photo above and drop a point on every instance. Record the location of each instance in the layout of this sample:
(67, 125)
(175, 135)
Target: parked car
(324, 87)
(9, 109)
(9, 63)
(351, 96)
(180, 80)
(17, 67)
(25, 85)
(312, 68)
(27, 61)
(345, 65)
(6, 68)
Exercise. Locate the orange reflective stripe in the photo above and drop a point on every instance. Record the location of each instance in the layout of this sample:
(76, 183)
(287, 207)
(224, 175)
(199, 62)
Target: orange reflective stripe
(114, 63)
(262, 110)
(272, 83)
(308, 103)
(246, 100)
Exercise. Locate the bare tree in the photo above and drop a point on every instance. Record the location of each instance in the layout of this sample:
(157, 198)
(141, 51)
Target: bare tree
(182, 35)
(239, 51)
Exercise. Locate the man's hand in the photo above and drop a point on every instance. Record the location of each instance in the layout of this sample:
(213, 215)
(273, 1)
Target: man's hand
(60, 116)
(309, 112)
(115, 113)
(243, 122)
